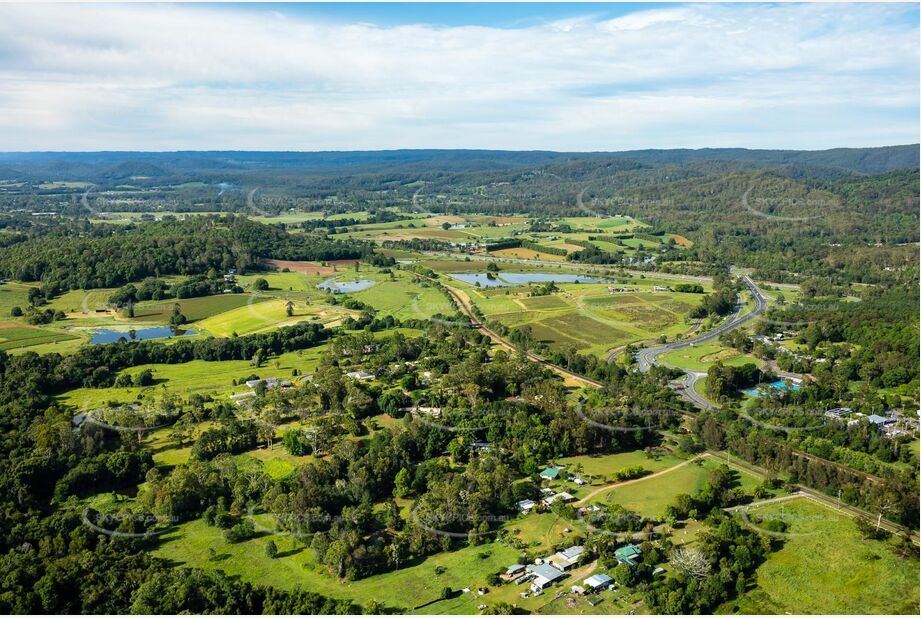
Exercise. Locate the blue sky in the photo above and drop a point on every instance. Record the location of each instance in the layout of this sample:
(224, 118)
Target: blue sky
(571, 77)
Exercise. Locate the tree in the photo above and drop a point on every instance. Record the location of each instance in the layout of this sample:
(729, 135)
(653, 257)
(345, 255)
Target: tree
(401, 483)
(271, 550)
(691, 561)
(289, 308)
(260, 285)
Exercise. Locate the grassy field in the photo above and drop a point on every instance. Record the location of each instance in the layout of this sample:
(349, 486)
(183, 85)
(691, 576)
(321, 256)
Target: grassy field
(262, 313)
(13, 295)
(193, 309)
(17, 335)
(197, 377)
(650, 497)
(703, 356)
(830, 570)
(607, 465)
(295, 566)
(404, 299)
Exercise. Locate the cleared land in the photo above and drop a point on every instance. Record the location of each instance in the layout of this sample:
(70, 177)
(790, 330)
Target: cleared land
(829, 570)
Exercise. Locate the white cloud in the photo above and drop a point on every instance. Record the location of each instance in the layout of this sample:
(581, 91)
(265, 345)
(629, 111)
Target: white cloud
(170, 77)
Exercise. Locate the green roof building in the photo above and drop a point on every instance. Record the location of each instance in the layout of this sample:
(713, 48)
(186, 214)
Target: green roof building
(550, 473)
(628, 554)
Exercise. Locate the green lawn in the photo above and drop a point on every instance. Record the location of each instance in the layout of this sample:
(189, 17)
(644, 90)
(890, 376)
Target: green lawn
(703, 356)
(830, 570)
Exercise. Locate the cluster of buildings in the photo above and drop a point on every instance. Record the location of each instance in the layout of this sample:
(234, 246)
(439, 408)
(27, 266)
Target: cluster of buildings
(547, 571)
(892, 424)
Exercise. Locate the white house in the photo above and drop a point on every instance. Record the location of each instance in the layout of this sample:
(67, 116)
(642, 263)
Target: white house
(525, 506)
(598, 582)
(360, 375)
(565, 559)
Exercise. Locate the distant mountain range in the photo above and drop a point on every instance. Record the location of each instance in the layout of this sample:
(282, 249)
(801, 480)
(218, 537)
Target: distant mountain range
(112, 166)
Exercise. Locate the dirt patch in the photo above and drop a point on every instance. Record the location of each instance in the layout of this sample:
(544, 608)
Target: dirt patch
(308, 268)
(681, 241)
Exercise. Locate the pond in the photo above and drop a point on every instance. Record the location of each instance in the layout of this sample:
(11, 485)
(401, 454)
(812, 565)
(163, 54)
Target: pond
(341, 287)
(771, 388)
(506, 279)
(108, 335)
(481, 278)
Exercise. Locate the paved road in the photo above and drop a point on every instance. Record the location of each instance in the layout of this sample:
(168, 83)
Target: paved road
(646, 357)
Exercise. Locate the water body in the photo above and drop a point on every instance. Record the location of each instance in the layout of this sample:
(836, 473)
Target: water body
(506, 279)
(523, 278)
(107, 335)
(341, 287)
(481, 278)
(773, 387)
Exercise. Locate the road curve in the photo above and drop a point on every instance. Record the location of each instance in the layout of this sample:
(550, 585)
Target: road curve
(646, 357)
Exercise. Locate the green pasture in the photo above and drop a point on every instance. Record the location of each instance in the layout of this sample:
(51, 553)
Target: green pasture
(197, 377)
(828, 568)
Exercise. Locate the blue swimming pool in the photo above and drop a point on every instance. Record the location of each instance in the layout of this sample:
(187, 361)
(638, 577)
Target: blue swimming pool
(771, 388)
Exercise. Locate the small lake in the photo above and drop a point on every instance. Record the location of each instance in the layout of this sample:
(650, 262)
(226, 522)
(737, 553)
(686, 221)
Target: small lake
(342, 287)
(773, 387)
(506, 279)
(481, 278)
(107, 335)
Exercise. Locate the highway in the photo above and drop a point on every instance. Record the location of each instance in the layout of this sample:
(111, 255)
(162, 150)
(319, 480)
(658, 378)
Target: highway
(646, 357)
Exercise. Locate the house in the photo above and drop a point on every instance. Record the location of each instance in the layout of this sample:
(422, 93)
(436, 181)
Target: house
(360, 375)
(565, 559)
(546, 491)
(598, 582)
(269, 382)
(525, 506)
(880, 421)
(564, 496)
(837, 413)
(577, 590)
(514, 570)
(628, 554)
(423, 410)
(550, 473)
(543, 575)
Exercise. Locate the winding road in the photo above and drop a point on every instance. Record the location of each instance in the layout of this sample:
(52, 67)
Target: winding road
(646, 357)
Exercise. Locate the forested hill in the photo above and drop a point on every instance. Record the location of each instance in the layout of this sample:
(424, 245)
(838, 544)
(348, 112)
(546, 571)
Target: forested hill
(107, 166)
(81, 255)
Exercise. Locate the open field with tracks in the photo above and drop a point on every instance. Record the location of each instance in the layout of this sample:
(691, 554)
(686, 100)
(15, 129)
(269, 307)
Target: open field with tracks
(826, 567)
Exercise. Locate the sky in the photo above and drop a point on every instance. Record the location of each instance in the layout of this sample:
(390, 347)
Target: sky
(569, 77)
